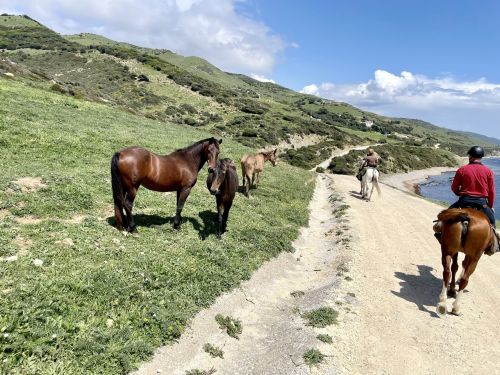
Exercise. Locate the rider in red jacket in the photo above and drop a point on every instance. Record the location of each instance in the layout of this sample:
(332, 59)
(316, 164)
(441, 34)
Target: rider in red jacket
(474, 183)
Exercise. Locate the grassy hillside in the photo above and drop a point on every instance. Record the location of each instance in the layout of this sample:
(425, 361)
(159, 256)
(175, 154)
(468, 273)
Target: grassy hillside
(102, 302)
(160, 84)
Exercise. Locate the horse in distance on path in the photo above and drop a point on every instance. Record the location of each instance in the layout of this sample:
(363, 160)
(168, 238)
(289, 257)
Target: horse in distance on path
(178, 171)
(222, 182)
(368, 182)
(464, 230)
(252, 166)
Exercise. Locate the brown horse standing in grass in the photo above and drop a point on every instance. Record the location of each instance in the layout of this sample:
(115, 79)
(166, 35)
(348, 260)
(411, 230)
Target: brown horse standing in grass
(463, 230)
(178, 171)
(252, 166)
(222, 182)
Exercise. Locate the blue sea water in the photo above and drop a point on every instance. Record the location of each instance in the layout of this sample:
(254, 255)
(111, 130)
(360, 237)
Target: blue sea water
(439, 187)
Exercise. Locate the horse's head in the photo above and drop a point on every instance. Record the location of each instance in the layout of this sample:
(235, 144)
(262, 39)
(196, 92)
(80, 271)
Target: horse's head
(212, 152)
(217, 175)
(271, 156)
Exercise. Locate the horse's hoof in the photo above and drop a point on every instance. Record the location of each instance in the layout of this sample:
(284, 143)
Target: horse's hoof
(456, 311)
(452, 293)
(441, 309)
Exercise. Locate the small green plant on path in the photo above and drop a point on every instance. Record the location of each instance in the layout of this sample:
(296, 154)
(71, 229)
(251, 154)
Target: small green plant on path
(297, 293)
(213, 350)
(232, 326)
(313, 357)
(322, 317)
(201, 372)
(327, 339)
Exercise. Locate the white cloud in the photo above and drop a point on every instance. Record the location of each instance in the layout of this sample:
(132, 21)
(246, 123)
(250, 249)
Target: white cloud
(310, 89)
(465, 105)
(211, 29)
(261, 78)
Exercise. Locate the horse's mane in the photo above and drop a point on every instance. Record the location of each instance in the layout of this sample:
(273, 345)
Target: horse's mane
(266, 152)
(190, 147)
(228, 162)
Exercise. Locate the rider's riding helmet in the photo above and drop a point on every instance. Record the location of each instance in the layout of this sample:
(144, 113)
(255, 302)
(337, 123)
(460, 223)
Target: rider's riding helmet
(476, 152)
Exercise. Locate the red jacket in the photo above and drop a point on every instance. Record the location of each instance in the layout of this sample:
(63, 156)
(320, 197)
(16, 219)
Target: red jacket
(475, 180)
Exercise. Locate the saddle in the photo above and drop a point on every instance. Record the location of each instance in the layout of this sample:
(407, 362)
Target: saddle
(362, 171)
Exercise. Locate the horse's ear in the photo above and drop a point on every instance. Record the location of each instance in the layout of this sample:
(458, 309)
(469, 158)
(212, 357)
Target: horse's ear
(275, 151)
(220, 141)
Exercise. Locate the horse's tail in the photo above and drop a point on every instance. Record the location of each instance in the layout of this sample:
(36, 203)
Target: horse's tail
(116, 181)
(243, 168)
(375, 181)
(455, 215)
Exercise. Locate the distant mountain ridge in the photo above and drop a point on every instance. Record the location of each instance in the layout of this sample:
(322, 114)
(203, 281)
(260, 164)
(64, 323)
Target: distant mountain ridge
(160, 84)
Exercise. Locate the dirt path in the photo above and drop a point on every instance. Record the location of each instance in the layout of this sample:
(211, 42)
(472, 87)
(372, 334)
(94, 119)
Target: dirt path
(397, 282)
(339, 152)
(275, 335)
(379, 267)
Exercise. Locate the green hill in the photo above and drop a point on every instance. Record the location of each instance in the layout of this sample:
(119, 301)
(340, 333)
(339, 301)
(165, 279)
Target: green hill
(159, 84)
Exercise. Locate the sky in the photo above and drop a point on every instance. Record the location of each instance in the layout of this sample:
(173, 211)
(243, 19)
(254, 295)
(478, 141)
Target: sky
(437, 61)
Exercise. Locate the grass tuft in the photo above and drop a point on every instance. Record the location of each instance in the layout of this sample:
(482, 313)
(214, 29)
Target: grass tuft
(313, 357)
(232, 326)
(201, 372)
(322, 317)
(327, 339)
(213, 350)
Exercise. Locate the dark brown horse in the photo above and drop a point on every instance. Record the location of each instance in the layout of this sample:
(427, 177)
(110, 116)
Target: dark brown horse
(253, 165)
(178, 171)
(222, 182)
(463, 230)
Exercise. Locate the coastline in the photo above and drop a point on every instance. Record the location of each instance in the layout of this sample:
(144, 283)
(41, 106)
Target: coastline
(409, 181)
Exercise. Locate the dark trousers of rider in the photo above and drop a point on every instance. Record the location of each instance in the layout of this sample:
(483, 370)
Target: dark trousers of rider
(478, 203)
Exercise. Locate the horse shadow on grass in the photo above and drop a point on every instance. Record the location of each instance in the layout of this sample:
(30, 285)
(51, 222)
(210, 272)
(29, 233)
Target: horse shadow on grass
(150, 221)
(422, 289)
(208, 225)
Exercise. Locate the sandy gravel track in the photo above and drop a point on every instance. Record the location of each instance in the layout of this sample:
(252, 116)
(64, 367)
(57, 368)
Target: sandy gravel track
(397, 282)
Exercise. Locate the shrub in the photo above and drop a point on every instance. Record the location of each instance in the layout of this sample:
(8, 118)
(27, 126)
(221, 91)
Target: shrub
(249, 133)
(190, 121)
(188, 108)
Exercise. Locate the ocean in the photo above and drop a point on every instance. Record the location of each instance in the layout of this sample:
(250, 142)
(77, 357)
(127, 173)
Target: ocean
(439, 187)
